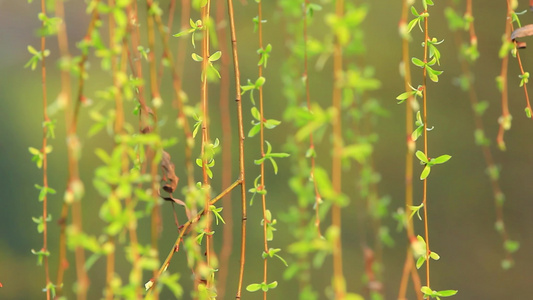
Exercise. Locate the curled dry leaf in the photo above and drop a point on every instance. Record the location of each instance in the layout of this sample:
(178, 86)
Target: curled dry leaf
(171, 182)
(169, 173)
(521, 32)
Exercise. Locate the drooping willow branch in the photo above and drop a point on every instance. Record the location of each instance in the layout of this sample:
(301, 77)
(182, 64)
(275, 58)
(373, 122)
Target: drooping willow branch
(424, 116)
(262, 147)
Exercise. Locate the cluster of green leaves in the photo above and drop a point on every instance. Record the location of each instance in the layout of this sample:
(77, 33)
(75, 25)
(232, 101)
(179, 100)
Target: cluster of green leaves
(195, 27)
(256, 123)
(437, 294)
(269, 155)
(428, 163)
(198, 27)
(37, 56)
(209, 157)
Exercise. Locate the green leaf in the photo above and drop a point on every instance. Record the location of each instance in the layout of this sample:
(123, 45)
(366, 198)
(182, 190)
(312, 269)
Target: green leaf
(525, 78)
(311, 8)
(417, 62)
(417, 133)
(403, 96)
(199, 162)
(271, 123)
(481, 107)
(421, 156)
(507, 264)
(256, 114)
(433, 74)
(416, 209)
(413, 23)
(279, 155)
(359, 152)
(425, 172)
(254, 130)
(414, 12)
(196, 57)
(441, 159)
(213, 69)
(511, 246)
(447, 293)
(434, 256)
(272, 285)
(274, 165)
(259, 82)
(282, 260)
(253, 287)
(215, 56)
(420, 261)
(34, 151)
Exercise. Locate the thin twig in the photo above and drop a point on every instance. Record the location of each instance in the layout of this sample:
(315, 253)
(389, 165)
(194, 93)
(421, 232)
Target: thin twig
(242, 180)
(424, 197)
(227, 234)
(45, 160)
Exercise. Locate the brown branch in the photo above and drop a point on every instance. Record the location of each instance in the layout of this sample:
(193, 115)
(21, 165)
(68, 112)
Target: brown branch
(184, 229)
(241, 145)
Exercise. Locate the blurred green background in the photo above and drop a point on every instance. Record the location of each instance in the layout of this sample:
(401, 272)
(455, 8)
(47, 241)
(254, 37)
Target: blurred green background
(461, 206)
